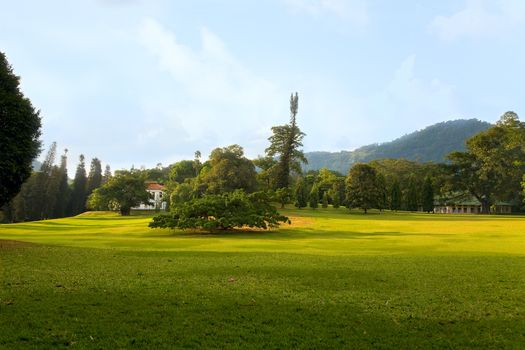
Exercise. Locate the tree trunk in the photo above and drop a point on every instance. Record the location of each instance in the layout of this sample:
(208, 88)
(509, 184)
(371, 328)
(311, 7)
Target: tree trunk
(125, 211)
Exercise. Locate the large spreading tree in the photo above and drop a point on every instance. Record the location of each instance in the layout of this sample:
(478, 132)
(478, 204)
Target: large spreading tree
(223, 212)
(493, 164)
(19, 133)
(286, 143)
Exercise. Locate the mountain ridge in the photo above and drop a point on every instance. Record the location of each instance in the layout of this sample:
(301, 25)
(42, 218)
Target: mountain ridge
(430, 144)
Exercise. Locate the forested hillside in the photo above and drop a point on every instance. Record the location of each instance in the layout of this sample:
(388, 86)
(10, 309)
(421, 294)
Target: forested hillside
(430, 144)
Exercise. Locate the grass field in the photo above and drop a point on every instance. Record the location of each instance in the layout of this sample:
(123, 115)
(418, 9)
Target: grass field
(330, 280)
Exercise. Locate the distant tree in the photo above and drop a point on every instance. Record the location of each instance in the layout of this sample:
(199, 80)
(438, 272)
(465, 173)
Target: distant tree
(337, 193)
(283, 196)
(324, 200)
(223, 212)
(197, 165)
(301, 194)
(45, 191)
(63, 194)
(382, 196)
(313, 198)
(411, 198)
(181, 193)
(19, 133)
(107, 174)
(285, 143)
(395, 196)
(325, 180)
(78, 194)
(266, 174)
(428, 196)
(123, 191)
(229, 170)
(94, 179)
(362, 187)
(180, 171)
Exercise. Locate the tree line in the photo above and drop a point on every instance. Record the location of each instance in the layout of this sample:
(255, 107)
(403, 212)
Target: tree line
(48, 193)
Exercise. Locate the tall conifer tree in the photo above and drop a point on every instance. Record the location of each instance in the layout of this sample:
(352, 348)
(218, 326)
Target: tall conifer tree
(63, 188)
(428, 195)
(285, 143)
(395, 196)
(95, 176)
(78, 193)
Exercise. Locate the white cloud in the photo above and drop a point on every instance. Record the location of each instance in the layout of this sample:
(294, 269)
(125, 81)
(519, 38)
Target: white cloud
(480, 19)
(216, 101)
(354, 11)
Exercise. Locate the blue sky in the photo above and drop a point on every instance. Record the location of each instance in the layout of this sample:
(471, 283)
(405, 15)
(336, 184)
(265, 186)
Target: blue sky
(138, 82)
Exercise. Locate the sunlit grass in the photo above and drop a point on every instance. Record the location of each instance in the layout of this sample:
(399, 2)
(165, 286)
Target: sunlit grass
(323, 231)
(332, 279)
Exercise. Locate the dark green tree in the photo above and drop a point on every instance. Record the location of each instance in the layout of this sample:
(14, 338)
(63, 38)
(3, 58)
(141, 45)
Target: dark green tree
(494, 163)
(324, 200)
(338, 192)
(94, 179)
(382, 196)
(78, 194)
(286, 143)
(301, 194)
(395, 196)
(283, 196)
(123, 191)
(427, 200)
(107, 174)
(313, 198)
(19, 133)
(362, 187)
(180, 171)
(63, 193)
(45, 191)
(229, 170)
(411, 196)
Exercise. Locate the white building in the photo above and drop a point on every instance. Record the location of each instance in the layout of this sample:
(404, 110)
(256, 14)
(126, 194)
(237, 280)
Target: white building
(157, 201)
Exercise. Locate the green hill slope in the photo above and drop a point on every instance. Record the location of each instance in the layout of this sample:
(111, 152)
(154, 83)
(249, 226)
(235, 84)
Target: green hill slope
(430, 144)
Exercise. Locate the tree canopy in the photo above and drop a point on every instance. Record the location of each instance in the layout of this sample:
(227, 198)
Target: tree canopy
(228, 170)
(123, 191)
(494, 163)
(223, 212)
(362, 187)
(19, 133)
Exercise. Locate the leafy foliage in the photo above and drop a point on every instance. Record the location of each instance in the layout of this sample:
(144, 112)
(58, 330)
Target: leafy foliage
(228, 170)
(222, 212)
(19, 133)
(123, 191)
(301, 194)
(494, 163)
(363, 189)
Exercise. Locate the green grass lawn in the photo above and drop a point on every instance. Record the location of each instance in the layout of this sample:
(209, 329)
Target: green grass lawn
(330, 280)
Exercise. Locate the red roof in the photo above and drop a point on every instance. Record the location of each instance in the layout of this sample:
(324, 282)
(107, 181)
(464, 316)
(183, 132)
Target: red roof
(155, 186)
